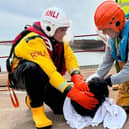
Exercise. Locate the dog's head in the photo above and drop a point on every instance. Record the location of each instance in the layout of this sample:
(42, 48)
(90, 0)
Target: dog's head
(100, 90)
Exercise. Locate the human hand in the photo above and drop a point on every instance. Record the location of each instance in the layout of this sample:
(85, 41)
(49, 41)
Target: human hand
(107, 81)
(79, 83)
(84, 98)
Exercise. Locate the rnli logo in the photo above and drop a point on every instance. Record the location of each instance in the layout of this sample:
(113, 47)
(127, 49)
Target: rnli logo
(37, 53)
(53, 14)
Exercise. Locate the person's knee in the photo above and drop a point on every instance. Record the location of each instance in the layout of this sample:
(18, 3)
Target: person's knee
(22, 74)
(29, 66)
(30, 74)
(31, 69)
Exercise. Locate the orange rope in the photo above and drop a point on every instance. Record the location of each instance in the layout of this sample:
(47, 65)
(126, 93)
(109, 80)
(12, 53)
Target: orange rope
(13, 97)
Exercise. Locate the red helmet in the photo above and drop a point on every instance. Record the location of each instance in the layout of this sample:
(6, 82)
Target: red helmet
(109, 15)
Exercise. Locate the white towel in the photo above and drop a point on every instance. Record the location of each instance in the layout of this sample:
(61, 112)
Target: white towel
(111, 115)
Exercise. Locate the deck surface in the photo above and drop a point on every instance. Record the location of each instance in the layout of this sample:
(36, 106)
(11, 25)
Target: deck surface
(20, 118)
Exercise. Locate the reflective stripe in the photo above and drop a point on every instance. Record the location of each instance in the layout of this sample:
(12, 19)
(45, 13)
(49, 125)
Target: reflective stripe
(62, 85)
(74, 69)
(124, 4)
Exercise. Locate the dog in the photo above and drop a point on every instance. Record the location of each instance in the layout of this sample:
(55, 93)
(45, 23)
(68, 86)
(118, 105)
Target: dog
(100, 90)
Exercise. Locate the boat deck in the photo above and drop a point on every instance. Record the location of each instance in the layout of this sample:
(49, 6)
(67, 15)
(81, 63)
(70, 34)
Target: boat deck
(20, 118)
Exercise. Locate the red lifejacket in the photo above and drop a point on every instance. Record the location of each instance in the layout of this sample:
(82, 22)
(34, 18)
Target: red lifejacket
(55, 49)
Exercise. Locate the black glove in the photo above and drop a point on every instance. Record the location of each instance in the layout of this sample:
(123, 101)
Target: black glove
(108, 80)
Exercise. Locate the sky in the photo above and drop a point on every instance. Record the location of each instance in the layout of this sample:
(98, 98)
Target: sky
(15, 14)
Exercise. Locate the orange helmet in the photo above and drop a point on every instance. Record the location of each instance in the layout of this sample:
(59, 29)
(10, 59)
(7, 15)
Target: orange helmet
(109, 15)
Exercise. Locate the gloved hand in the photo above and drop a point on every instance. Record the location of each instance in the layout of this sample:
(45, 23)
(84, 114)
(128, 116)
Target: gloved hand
(108, 81)
(79, 82)
(84, 98)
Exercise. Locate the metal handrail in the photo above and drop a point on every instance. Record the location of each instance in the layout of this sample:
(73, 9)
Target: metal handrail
(76, 51)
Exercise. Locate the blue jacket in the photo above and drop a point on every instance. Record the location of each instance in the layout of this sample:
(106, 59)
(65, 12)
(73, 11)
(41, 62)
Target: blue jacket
(123, 44)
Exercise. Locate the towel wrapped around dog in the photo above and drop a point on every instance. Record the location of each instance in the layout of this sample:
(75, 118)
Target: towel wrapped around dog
(111, 115)
(100, 90)
(79, 117)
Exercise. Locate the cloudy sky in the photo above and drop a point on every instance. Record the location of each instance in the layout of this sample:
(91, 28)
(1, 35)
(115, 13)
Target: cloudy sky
(14, 14)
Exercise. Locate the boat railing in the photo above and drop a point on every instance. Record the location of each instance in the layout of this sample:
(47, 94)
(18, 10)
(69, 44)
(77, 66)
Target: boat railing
(80, 44)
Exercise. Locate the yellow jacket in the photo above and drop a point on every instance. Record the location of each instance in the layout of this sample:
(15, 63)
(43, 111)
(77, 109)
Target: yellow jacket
(36, 51)
(124, 4)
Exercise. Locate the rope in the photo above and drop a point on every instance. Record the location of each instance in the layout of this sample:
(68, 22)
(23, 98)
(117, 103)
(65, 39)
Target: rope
(13, 97)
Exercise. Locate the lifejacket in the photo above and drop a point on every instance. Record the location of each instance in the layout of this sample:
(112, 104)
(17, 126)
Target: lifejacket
(123, 45)
(55, 49)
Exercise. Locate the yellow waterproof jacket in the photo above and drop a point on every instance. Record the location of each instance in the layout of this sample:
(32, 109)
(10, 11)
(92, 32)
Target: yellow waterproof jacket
(35, 50)
(124, 4)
